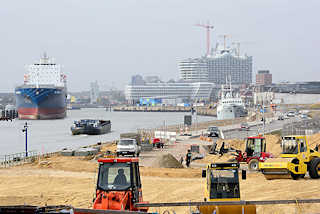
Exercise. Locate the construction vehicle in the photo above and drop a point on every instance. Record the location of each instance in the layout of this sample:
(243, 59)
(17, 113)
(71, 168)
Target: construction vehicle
(296, 160)
(255, 152)
(222, 181)
(118, 185)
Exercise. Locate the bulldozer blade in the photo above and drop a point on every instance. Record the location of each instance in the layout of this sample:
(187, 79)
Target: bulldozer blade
(226, 209)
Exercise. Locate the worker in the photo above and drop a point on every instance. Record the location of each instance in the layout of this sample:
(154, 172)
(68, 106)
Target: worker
(120, 179)
(188, 157)
(222, 149)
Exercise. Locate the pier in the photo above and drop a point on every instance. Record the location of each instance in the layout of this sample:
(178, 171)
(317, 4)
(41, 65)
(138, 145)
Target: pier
(204, 111)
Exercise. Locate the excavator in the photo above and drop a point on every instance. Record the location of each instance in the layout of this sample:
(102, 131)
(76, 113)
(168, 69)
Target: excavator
(222, 181)
(296, 159)
(118, 185)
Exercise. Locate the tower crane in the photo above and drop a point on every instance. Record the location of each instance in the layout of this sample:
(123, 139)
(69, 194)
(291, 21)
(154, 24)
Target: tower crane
(208, 27)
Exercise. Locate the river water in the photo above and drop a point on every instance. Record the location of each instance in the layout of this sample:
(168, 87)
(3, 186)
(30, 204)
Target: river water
(53, 135)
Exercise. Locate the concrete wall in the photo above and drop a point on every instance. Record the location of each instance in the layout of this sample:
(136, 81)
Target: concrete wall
(298, 98)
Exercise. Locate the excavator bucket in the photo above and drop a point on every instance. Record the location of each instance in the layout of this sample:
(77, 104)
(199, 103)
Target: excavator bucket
(227, 209)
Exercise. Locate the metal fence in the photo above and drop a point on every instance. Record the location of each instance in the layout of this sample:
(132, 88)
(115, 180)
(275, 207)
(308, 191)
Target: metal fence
(304, 127)
(16, 159)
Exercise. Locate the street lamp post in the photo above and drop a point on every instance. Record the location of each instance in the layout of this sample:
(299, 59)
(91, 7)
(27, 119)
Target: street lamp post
(25, 129)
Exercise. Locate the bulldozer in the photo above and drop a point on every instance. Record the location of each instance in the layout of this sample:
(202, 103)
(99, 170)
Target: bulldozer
(297, 158)
(255, 152)
(222, 185)
(118, 185)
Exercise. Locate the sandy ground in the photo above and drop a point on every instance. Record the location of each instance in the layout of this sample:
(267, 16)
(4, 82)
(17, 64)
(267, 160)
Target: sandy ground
(71, 180)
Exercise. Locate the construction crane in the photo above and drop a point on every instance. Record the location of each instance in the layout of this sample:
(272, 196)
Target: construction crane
(238, 45)
(224, 40)
(208, 27)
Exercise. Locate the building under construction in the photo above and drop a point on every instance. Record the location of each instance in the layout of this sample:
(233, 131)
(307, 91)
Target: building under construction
(217, 66)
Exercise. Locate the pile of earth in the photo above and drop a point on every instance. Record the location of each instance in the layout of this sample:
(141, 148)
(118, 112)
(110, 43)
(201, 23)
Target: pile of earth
(166, 161)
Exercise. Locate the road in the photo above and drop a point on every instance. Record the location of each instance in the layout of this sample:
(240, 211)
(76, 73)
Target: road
(255, 130)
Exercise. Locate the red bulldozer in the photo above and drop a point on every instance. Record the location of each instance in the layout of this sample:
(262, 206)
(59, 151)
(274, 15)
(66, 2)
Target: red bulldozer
(119, 185)
(255, 152)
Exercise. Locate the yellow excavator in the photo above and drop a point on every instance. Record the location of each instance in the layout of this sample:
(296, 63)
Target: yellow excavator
(222, 185)
(296, 159)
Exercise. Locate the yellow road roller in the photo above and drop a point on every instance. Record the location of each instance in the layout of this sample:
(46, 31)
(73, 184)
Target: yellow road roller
(295, 160)
(222, 185)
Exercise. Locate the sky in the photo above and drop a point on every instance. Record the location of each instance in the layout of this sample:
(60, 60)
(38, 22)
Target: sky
(109, 41)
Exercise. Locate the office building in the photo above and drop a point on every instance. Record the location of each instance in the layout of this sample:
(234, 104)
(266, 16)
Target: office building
(263, 77)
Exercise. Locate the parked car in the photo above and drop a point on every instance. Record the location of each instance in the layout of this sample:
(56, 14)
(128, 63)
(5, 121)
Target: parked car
(304, 116)
(281, 117)
(244, 126)
(291, 114)
(213, 131)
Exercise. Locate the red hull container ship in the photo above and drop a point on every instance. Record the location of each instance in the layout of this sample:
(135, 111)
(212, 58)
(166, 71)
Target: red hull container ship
(44, 93)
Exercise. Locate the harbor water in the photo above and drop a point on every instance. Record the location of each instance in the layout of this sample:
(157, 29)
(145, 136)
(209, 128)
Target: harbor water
(54, 135)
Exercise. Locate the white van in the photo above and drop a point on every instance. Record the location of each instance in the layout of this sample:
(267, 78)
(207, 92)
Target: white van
(127, 146)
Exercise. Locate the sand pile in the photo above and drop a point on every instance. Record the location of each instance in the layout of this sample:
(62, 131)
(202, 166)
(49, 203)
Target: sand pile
(109, 147)
(166, 161)
(314, 140)
(273, 145)
(216, 158)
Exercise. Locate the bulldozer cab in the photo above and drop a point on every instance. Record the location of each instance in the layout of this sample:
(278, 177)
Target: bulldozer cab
(222, 182)
(293, 145)
(118, 174)
(255, 145)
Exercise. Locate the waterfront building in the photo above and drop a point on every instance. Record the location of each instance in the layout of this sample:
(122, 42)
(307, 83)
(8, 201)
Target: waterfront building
(263, 77)
(137, 80)
(215, 68)
(199, 91)
(152, 79)
(94, 92)
(194, 70)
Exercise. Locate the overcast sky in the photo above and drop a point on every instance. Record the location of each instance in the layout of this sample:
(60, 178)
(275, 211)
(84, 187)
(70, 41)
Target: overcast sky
(111, 40)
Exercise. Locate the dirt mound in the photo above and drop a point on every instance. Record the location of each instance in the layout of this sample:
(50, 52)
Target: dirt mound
(314, 140)
(166, 161)
(217, 158)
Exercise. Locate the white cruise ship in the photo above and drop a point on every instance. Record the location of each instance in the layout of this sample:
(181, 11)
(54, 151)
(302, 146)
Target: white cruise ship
(230, 105)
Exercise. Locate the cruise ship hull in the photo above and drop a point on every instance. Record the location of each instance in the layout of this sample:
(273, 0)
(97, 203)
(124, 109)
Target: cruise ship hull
(40, 103)
(230, 112)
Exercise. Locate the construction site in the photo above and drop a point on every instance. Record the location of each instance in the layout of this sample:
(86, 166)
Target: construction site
(169, 186)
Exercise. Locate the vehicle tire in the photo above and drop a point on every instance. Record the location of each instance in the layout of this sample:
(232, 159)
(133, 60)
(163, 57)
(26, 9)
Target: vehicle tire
(314, 170)
(253, 164)
(302, 176)
(295, 176)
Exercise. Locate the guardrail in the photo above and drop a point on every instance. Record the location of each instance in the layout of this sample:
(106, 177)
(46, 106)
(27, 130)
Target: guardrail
(10, 160)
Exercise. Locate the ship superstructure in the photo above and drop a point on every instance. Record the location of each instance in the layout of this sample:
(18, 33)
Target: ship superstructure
(44, 93)
(230, 104)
